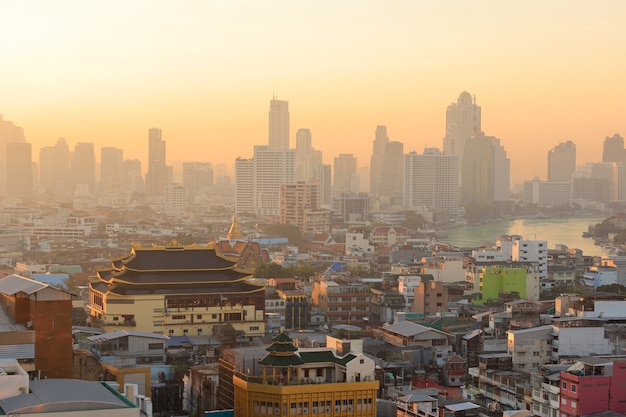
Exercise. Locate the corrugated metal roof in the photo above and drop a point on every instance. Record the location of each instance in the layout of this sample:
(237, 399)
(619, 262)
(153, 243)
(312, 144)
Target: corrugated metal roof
(122, 333)
(23, 351)
(59, 395)
(13, 284)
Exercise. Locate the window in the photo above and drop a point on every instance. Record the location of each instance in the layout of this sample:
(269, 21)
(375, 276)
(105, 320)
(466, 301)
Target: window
(573, 387)
(214, 316)
(170, 331)
(362, 361)
(564, 386)
(199, 331)
(155, 346)
(254, 328)
(116, 318)
(178, 317)
(199, 316)
(185, 331)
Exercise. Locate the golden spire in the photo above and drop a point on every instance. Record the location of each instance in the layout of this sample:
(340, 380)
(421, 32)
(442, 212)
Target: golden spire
(234, 232)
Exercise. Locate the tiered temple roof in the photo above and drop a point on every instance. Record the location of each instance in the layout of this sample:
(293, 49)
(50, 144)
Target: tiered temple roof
(175, 269)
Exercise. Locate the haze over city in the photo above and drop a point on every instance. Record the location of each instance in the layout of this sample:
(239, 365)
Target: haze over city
(204, 72)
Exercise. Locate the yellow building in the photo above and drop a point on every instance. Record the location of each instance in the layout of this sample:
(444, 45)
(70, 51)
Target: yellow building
(178, 290)
(334, 381)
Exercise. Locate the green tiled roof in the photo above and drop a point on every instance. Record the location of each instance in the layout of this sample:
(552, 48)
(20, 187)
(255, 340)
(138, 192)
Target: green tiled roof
(281, 360)
(325, 356)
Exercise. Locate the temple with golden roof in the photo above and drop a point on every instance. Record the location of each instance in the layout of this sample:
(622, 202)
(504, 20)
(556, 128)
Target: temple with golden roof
(180, 290)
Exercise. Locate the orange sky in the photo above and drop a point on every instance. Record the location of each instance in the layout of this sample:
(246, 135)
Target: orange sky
(204, 72)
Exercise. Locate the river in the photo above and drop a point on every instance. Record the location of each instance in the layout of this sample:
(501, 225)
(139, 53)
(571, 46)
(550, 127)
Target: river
(554, 231)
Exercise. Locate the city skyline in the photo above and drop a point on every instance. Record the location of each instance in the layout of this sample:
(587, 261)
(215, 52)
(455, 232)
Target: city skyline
(542, 73)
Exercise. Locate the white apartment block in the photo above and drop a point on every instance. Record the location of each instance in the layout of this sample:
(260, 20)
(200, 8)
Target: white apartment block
(520, 250)
(432, 180)
(547, 194)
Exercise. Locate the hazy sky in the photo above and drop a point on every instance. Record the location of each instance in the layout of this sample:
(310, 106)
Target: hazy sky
(204, 72)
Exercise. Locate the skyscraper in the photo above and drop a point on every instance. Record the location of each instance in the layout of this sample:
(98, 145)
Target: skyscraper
(376, 162)
(9, 133)
(562, 162)
(244, 186)
(84, 167)
(485, 171)
(157, 176)
(463, 120)
(323, 174)
(19, 169)
(345, 178)
(431, 180)
(258, 180)
(307, 158)
(196, 176)
(279, 125)
(55, 169)
(613, 149)
(390, 185)
(111, 168)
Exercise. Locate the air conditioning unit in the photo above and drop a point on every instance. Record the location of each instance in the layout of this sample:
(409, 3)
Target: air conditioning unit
(305, 411)
(328, 409)
(337, 409)
(314, 410)
(349, 408)
(277, 411)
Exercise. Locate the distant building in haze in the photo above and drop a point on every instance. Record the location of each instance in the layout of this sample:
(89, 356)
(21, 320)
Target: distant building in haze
(19, 169)
(613, 149)
(258, 180)
(323, 174)
(431, 180)
(390, 185)
(84, 168)
(547, 193)
(9, 133)
(279, 125)
(485, 171)
(157, 175)
(300, 206)
(562, 162)
(197, 175)
(463, 120)
(307, 158)
(55, 169)
(111, 169)
(345, 178)
(376, 162)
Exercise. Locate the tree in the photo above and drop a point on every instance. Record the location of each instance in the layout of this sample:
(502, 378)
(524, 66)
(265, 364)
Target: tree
(272, 270)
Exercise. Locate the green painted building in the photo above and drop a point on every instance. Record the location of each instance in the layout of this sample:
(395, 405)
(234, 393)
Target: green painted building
(496, 280)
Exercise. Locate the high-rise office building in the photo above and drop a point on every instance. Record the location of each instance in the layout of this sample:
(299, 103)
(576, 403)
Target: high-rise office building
(9, 133)
(272, 168)
(84, 168)
(613, 149)
(55, 169)
(111, 169)
(562, 162)
(376, 162)
(323, 174)
(463, 120)
(132, 175)
(258, 180)
(485, 171)
(19, 169)
(390, 185)
(279, 125)
(307, 158)
(345, 177)
(244, 186)
(157, 175)
(431, 180)
(197, 176)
